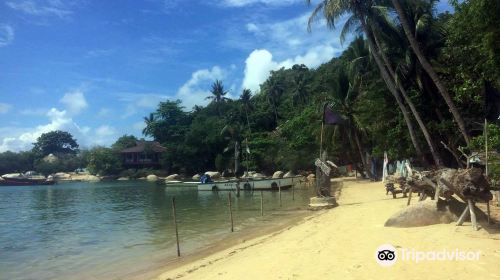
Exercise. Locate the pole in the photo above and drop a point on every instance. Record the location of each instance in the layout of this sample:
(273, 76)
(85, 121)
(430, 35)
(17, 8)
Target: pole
(321, 140)
(279, 190)
(261, 204)
(486, 145)
(293, 191)
(175, 225)
(230, 211)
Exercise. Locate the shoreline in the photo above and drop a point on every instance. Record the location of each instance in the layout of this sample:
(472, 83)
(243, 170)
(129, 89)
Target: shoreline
(244, 238)
(341, 242)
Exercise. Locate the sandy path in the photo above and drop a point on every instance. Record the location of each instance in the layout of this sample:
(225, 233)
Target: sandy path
(340, 243)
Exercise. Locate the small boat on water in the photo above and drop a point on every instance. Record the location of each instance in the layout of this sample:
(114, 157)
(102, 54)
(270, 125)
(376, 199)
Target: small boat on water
(249, 184)
(29, 178)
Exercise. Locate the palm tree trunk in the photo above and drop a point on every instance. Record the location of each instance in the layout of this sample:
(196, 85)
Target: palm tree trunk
(361, 153)
(430, 71)
(416, 114)
(392, 89)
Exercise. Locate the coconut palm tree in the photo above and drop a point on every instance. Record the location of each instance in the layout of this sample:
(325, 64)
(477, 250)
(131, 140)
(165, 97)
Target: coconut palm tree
(275, 89)
(218, 92)
(429, 69)
(150, 121)
(379, 22)
(332, 10)
(246, 94)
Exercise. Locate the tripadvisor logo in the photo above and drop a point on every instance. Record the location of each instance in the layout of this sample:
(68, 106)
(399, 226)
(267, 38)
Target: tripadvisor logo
(387, 255)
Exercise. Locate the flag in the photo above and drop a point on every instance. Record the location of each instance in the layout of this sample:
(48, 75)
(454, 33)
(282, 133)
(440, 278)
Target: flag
(331, 117)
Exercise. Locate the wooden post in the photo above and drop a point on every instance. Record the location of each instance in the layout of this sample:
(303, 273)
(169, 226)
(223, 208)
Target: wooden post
(488, 211)
(409, 197)
(293, 192)
(486, 145)
(238, 189)
(261, 203)
(175, 225)
(279, 191)
(472, 214)
(230, 211)
(464, 215)
(436, 195)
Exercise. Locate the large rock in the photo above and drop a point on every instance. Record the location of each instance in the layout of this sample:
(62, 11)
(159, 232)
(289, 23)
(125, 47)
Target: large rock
(196, 177)
(92, 178)
(288, 174)
(173, 177)
(213, 174)
(424, 213)
(123, 179)
(258, 175)
(152, 178)
(278, 174)
(311, 177)
(62, 175)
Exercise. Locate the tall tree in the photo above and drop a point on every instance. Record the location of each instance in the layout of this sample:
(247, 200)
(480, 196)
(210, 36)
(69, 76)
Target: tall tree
(55, 142)
(429, 69)
(332, 10)
(218, 92)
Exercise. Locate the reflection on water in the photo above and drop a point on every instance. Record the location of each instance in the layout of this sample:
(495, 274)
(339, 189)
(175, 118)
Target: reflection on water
(88, 230)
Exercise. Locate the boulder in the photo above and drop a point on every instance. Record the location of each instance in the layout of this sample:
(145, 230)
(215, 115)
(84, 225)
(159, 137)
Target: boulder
(258, 175)
(196, 177)
(424, 213)
(62, 175)
(92, 178)
(152, 178)
(311, 176)
(123, 179)
(278, 174)
(213, 174)
(288, 174)
(173, 177)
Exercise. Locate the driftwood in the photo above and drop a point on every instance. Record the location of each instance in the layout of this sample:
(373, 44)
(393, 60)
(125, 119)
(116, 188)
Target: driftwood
(466, 184)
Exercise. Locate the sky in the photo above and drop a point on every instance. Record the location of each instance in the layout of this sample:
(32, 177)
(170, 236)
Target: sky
(96, 68)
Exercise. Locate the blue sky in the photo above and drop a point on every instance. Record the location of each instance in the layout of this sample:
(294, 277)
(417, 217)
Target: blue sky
(96, 68)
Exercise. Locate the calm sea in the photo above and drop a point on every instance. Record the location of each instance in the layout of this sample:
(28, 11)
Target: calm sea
(110, 229)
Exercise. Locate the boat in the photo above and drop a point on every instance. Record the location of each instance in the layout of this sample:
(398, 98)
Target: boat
(29, 178)
(249, 184)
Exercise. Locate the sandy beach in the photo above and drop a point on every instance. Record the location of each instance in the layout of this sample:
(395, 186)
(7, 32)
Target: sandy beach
(341, 243)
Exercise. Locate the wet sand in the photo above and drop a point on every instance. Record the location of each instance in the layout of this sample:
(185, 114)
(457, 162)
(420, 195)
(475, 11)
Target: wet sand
(340, 243)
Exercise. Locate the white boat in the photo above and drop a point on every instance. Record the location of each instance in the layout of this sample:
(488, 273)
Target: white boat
(250, 184)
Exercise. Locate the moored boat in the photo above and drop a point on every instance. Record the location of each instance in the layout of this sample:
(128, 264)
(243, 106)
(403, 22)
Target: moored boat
(27, 179)
(250, 184)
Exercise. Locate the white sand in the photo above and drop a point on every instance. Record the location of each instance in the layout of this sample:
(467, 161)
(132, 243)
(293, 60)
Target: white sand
(340, 243)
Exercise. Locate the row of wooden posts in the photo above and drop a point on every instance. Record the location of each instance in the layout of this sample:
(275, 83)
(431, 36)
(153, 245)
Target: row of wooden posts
(230, 212)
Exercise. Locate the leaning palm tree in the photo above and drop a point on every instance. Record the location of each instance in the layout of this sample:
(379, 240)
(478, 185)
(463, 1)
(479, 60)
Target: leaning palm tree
(332, 10)
(378, 22)
(429, 69)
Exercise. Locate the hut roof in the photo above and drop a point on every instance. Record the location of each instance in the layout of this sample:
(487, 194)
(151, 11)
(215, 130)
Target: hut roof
(141, 146)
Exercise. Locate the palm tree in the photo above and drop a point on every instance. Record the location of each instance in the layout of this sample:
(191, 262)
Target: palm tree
(376, 34)
(429, 69)
(274, 91)
(148, 130)
(232, 131)
(246, 94)
(332, 11)
(218, 92)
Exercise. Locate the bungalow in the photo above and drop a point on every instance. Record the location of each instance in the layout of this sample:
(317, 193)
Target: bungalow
(143, 154)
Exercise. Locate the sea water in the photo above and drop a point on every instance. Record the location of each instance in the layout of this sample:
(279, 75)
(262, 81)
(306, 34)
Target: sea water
(108, 230)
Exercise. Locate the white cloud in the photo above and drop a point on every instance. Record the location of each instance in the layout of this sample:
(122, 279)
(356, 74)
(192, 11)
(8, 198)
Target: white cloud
(40, 8)
(4, 108)
(105, 131)
(196, 89)
(260, 62)
(74, 101)
(22, 139)
(6, 35)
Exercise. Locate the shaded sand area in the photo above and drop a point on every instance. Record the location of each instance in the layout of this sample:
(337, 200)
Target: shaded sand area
(340, 243)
